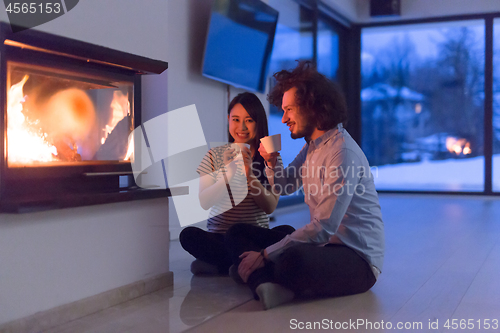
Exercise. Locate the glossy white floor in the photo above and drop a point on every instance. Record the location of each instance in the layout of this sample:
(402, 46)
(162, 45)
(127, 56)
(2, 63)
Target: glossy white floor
(442, 263)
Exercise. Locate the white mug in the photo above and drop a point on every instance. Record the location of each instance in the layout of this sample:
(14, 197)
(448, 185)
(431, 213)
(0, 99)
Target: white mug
(272, 143)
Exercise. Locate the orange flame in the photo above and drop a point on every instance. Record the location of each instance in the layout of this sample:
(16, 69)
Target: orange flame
(458, 146)
(130, 149)
(24, 145)
(70, 113)
(66, 118)
(121, 108)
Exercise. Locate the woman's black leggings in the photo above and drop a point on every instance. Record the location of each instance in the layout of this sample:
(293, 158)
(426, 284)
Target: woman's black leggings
(210, 246)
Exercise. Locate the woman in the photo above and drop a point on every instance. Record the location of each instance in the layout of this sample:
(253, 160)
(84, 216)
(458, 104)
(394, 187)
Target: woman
(221, 173)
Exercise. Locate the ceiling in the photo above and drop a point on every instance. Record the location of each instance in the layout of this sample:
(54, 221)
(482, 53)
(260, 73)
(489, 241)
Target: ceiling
(358, 11)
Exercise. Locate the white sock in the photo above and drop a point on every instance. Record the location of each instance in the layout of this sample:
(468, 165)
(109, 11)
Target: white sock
(272, 294)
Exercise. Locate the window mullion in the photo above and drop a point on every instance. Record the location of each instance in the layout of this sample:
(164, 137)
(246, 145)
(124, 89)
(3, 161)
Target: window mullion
(488, 105)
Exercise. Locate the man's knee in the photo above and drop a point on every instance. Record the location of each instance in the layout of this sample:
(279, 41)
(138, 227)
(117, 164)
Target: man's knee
(291, 262)
(297, 253)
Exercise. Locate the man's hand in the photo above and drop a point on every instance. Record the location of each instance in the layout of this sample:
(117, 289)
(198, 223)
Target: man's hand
(270, 158)
(251, 261)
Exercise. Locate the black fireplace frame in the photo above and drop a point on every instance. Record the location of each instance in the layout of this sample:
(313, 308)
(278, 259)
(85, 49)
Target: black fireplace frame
(50, 187)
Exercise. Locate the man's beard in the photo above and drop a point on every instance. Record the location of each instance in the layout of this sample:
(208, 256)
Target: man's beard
(305, 132)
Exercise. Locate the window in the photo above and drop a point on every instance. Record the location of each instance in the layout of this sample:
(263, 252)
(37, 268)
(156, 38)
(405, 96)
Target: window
(423, 105)
(328, 49)
(293, 41)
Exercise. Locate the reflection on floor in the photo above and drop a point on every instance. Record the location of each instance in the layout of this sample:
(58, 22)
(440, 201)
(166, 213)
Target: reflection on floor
(442, 263)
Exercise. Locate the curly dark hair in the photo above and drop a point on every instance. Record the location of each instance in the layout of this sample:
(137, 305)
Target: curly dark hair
(318, 97)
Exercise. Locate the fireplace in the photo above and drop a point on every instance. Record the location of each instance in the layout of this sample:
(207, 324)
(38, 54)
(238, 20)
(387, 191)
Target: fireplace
(68, 108)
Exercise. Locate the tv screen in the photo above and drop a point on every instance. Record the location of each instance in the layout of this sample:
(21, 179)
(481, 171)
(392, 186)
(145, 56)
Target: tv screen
(239, 43)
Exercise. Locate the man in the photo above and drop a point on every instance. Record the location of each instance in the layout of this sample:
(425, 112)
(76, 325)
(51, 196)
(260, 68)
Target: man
(341, 250)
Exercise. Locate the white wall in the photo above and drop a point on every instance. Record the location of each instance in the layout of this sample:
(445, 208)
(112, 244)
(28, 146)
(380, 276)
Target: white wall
(52, 258)
(57, 257)
(415, 9)
(358, 11)
(348, 8)
(125, 25)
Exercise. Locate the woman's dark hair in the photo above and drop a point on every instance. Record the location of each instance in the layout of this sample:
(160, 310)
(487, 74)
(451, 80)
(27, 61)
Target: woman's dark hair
(255, 110)
(318, 98)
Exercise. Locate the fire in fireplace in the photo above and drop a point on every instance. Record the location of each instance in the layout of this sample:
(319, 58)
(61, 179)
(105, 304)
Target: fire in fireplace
(68, 110)
(56, 118)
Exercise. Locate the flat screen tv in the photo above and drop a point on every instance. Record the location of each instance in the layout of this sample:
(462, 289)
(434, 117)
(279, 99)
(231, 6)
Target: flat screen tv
(239, 43)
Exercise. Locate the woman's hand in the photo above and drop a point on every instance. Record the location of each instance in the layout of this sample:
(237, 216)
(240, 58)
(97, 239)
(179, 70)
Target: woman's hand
(247, 161)
(270, 158)
(230, 162)
(250, 261)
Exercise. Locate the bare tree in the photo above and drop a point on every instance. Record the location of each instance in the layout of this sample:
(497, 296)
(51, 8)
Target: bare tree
(392, 66)
(458, 106)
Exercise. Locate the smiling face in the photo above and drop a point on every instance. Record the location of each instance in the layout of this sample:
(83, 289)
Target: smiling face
(241, 126)
(298, 123)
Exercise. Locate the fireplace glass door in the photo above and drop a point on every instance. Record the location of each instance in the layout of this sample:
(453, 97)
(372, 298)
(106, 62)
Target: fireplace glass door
(63, 117)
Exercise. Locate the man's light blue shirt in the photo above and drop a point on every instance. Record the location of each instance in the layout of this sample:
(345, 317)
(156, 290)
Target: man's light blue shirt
(340, 192)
